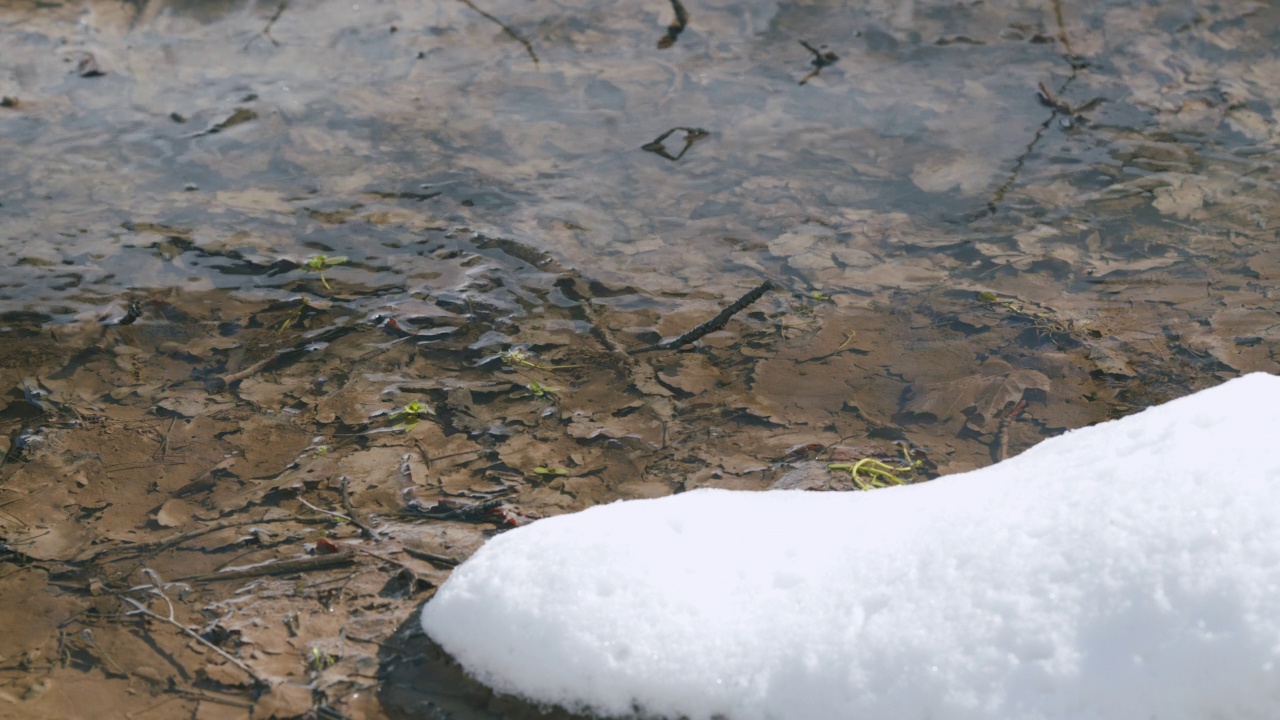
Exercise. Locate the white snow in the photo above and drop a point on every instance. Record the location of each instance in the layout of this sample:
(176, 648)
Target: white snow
(1125, 571)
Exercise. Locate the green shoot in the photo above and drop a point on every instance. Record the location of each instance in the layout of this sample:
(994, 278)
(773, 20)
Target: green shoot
(820, 297)
(518, 357)
(319, 263)
(296, 315)
(551, 472)
(320, 660)
(1043, 324)
(540, 390)
(869, 473)
(409, 414)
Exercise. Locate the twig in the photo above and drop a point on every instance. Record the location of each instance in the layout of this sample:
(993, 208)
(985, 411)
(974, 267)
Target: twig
(87, 635)
(266, 30)
(641, 374)
(365, 530)
(253, 369)
(276, 16)
(691, 136)
(676, 27)
(164, 444)
(157, 588)
(281, 567)
(473, 512)
(430, 557)
(336, 515)
(820, 60)
(281, 356)
(1002, 431)
(506, 28)
(716, 323)
(160, 545)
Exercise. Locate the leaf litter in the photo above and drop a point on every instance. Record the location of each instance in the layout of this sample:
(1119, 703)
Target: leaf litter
(977, 229)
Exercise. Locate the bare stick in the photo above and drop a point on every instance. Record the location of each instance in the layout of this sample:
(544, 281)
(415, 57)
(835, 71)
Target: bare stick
(365, 530)
(716, 323)
(164, 444)
(431, 557)
(165, 544)
(157, 588)
(267, 30)
(676, 27)
(506, 28)
(336, 515)
(281, 567)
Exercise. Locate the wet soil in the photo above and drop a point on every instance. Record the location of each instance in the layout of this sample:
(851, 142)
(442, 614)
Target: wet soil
(301, 304)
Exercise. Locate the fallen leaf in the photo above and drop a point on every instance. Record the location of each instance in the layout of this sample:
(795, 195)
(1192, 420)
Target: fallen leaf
(173, 513)
(978, 397)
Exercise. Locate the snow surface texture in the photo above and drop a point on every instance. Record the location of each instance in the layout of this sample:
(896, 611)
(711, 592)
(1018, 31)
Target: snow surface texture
(1129, 570)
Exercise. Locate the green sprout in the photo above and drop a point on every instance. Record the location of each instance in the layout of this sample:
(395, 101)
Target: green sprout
(319, 263)
(303, 305)
(409, 414)
(540, 390)
(815, 295)
(518, 357)
(321, 660)
(1042, 323)
(870, 473)
(550, 472)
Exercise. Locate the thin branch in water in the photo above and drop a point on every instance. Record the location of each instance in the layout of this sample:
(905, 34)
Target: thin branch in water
(157, 587)
(312, 563)
(691, 136)
(505, 28)
(676, 27)
(365, 529)
(716, 323)
(821, 58)
(335, 515)
(266, 29)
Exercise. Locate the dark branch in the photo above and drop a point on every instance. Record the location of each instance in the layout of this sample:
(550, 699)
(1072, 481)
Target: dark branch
(716, 323)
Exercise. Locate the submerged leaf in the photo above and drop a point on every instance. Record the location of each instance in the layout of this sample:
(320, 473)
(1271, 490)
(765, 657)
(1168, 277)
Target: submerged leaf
(979, 397)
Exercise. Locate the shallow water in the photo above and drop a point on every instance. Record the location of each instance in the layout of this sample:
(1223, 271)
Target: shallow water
(988, 224)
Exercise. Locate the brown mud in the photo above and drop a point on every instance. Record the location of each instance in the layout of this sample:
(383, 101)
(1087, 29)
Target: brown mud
(301, 304)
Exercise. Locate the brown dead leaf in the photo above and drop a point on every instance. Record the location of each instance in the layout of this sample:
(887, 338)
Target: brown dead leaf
(173, 513)
(692, 374)
(1109, 362)
(58, 542)
(286, 700)
(978, 397)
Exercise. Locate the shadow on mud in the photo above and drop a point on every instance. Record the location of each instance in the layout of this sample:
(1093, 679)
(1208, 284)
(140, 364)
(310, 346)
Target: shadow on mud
(421, 682)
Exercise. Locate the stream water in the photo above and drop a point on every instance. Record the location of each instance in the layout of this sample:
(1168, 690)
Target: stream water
(238, 238)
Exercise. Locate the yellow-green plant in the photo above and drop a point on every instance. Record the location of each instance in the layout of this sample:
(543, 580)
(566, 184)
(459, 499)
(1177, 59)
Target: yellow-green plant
(869, 473)
(409, 414)
(320, 263)
(540, 390)
(295, 316)
(1040, 321)
(519, 358)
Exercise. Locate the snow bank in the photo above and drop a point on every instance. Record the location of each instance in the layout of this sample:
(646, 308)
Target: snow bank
(1129, 570)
